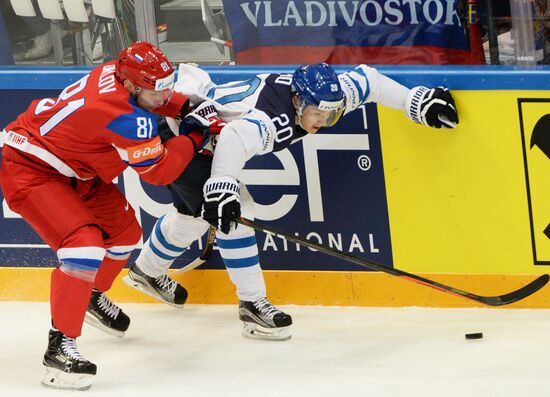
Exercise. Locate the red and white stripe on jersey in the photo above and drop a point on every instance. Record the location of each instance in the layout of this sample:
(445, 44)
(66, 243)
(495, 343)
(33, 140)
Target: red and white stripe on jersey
(21, 142)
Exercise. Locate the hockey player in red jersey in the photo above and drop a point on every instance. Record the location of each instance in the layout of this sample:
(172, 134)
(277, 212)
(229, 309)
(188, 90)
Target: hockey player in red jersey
(58, 162)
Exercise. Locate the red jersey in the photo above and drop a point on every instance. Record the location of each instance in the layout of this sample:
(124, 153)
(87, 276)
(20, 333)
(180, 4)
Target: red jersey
(95, 128)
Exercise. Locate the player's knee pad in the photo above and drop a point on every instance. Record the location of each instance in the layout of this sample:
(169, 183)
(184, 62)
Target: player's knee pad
(81, 253)
(181, 229)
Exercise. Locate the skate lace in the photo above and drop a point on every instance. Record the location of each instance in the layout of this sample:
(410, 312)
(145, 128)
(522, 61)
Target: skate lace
(68, 346)
(266, 308)
(166, 283)
(108, 307)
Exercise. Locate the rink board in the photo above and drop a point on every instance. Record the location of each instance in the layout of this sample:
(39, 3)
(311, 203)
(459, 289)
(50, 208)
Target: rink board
(468, 207)
(327, 288)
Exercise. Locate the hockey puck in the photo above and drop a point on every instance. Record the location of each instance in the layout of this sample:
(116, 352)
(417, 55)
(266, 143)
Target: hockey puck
(477, 335)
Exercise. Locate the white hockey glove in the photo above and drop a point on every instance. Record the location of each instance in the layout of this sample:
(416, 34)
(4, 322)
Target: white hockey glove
(207, 114)
(433, 107)
(202, 122)
(221, 202)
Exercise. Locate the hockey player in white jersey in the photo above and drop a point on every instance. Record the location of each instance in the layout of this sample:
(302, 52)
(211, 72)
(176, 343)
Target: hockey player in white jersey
(262, 115)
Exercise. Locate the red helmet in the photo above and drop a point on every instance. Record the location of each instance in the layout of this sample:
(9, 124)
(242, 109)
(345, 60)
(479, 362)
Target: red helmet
(146, 66)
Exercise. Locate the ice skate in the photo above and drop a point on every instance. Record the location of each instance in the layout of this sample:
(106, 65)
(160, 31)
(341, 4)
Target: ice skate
(105, 315)
(65, 367)
(162, 288)
(262, 320)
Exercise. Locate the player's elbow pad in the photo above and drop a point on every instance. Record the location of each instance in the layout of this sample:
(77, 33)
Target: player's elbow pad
(241, 134)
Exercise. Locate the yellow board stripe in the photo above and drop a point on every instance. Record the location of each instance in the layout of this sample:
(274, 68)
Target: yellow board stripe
(300, 288)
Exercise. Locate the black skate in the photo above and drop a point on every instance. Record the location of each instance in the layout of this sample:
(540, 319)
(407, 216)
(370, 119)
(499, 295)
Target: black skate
(162, 287)
(105, 315)
(65, 367)
(262, 320)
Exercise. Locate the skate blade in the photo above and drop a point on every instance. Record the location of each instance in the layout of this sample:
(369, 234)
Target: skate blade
(94, 322)
(255, 331)
(138, 286)
(57, 379)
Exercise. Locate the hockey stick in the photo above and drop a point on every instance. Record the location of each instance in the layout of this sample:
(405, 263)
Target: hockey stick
(499, 300)
(205, 255)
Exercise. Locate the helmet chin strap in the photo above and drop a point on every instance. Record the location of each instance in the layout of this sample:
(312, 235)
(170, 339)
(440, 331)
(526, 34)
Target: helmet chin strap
(299, 116)
(299, 112)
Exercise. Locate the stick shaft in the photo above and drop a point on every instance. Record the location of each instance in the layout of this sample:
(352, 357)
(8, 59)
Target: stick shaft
(205, 255)
(505, 299)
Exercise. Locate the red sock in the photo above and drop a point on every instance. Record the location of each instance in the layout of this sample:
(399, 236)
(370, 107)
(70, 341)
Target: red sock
(109, 269)
(69, 298)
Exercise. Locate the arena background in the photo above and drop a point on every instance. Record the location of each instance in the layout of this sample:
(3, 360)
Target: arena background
(466, 207)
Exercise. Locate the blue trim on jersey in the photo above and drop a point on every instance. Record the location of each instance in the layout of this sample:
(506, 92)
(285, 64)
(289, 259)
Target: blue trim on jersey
(162, 240)
(254, 83)
(362, 95)
(145, 163)
(237, 243)
(81, 263)
(127, 126)
(258, 124)
(242, 262)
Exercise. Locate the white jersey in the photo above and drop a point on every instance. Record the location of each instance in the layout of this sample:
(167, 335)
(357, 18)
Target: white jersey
(259, 112)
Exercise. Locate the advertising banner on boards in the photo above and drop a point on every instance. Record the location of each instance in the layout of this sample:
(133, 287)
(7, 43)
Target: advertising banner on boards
(328, 188)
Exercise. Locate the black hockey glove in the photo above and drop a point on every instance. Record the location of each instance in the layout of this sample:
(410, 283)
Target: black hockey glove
(221, 202)
(164, 130)
(433, 107)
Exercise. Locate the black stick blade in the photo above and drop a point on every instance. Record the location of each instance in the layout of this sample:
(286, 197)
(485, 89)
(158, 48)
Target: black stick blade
(516, 295)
